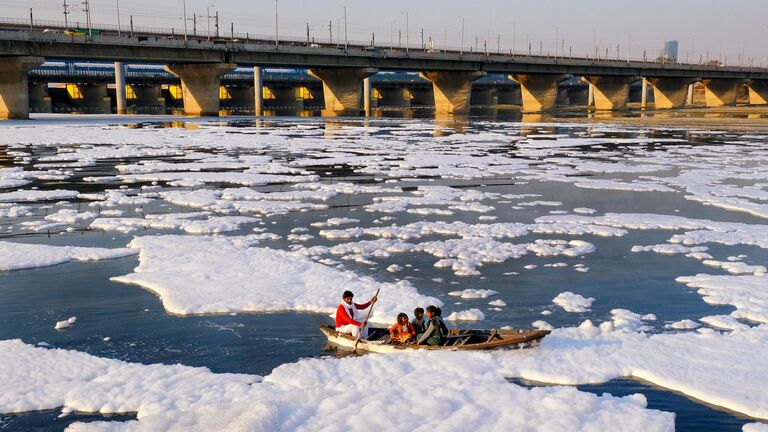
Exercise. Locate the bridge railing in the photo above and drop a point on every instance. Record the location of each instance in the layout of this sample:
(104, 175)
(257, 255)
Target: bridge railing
(240, 37)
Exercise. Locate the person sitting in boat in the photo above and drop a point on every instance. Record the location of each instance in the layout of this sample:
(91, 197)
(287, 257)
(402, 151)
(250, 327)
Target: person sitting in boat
(418, 321)
(433, 335)
(443, 327)
(402, 331)
(345, 316)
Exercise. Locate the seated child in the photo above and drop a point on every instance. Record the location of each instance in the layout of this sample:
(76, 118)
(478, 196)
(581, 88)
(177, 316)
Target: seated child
(403, 331)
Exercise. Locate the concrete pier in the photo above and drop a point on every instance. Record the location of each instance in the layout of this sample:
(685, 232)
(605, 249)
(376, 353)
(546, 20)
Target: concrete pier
(200, 84)
(120, 99)
(609, 92)
(720, 92)
(670, 92)
(393, 97)
(14, 91)
(39, 99)
(241, 99)
(147, 99)
(258, 91)
(758, 92)
(539, 91)
(452, 90)
(485, 97)
(509, 96)
(367, 96)
(342, 88)
(94, 100)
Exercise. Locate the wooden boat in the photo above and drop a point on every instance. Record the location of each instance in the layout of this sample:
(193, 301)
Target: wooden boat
(378, 340)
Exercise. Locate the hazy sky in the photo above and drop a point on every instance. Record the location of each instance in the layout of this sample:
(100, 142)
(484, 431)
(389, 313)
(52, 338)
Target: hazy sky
(717, 26)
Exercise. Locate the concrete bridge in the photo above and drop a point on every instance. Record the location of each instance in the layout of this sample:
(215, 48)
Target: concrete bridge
(88, 87)
(344, 71)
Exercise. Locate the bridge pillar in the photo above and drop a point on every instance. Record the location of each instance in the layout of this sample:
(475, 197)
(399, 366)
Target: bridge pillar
(342, 88)
(95, 99)
(241, 99)
(120, 100)
(609, 92)
(285, 97)
(508, 96)
(422, 96)
(14, 91)
(484, 96)
(200, 84)
(148, 99)
(670, 92)
(393, 97)
(644, 95)
(758, 92)
(39, 99)
(258, 91)
(539, 91)
(720, 92)
(367, 94)
(452, 90)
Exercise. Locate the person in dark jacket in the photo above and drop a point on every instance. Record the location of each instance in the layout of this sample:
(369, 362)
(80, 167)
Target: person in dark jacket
(433, 335)
(443, 327)
(419, 323)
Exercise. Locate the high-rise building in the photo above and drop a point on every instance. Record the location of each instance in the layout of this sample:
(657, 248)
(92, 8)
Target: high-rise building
(670, 51)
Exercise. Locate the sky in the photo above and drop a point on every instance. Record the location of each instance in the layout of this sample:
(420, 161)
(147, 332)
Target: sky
(704, 28)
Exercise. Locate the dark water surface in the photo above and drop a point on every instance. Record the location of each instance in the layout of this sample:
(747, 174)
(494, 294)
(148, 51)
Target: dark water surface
(139, 329)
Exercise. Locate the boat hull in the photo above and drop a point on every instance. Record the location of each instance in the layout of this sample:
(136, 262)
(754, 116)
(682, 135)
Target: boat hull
(497, 339)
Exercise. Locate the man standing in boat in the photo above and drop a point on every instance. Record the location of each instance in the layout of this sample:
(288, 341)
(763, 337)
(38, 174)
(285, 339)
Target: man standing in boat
(345, 316)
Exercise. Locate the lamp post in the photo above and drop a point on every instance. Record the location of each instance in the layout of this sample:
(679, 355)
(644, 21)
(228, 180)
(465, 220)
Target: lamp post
(407, 30)
(392, 35)
(557, 38)
(276, 24)
(184, 6)
(208, 20)
(118, 17)
(514, 36)
(346, 39)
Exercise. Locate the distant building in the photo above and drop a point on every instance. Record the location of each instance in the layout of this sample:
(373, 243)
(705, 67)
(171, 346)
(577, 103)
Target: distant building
(669, 52)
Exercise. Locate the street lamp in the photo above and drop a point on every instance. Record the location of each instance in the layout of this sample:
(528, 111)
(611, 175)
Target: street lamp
(184, 5)
(392, 35)
(346, 40)
(557, 38)
(208, 19)
(118, 17)
(514, 36)
(407, 30)
(276, 28)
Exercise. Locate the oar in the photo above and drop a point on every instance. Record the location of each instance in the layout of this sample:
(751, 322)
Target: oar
(370, 309)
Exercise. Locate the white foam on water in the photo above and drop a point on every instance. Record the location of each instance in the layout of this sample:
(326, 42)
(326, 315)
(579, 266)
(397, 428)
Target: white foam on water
(15, 256)
(313, 394)
(37, 195)
(216, 275)
(571, 302)
(726, 322)
(473, 314)
(471, 293)
(746, 293)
